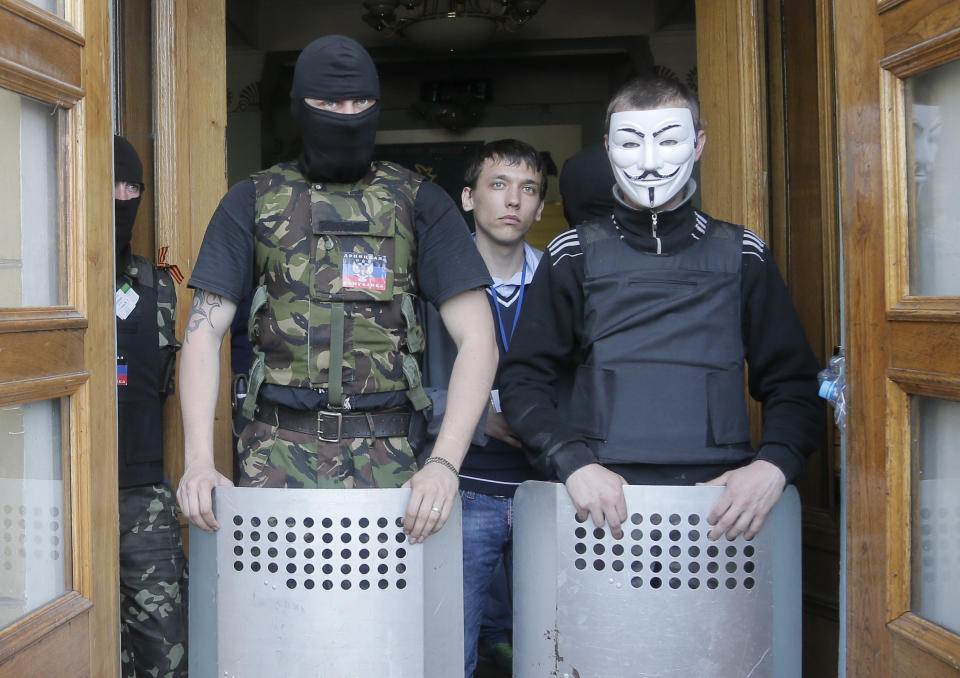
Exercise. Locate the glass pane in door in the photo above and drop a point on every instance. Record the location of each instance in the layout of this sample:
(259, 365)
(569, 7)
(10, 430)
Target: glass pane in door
(936, 510)
(29, 206)
(933, 163)
(52, 6)
(33, 555)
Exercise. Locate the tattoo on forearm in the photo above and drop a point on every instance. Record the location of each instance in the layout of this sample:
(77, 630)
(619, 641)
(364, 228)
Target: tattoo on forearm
(201, 311)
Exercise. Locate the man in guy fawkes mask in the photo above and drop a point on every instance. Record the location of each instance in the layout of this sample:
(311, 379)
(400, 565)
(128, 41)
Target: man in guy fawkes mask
(334, 250)
(153, 569)
(657, 306)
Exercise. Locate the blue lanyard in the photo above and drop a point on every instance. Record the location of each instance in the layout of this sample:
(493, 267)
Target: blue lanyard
(496, 305)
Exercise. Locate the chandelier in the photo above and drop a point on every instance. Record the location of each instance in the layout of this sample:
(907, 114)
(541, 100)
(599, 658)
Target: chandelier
(448, 24)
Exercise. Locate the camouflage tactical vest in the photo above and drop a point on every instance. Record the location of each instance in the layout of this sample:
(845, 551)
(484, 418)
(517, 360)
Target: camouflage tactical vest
(336, 268)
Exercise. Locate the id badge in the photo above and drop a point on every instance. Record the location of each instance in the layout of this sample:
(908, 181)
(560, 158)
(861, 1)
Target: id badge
(125, 300)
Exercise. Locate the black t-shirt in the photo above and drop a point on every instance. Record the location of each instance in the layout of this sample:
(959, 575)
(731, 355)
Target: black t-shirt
(447, 260)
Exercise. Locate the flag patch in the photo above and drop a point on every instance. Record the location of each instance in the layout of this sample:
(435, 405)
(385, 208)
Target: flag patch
(362, 271)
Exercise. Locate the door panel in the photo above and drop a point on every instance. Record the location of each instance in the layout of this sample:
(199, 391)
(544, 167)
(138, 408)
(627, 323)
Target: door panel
(34, 563)
(28, 202)
(899, 82)
(935, 524)
(58, 603)
(45, 643)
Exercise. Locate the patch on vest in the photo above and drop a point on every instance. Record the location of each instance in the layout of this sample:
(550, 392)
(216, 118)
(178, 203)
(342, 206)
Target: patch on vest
(122, 371)
(362, 271)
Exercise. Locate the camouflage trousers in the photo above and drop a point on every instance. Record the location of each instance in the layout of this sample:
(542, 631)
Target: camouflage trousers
(276, 457)
(153, 585)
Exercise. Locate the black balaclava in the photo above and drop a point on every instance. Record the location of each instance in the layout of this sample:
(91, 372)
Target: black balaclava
(337, 147)
(126, 167)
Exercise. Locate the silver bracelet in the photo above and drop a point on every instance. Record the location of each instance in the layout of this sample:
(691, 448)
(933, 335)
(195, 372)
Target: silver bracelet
(444, 462)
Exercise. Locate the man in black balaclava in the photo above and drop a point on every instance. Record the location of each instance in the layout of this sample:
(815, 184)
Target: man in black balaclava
(153, 572)
(337, 141)
(128, 175)
(336, 247)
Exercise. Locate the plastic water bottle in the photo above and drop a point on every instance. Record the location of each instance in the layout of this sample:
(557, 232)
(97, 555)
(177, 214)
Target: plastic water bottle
(833, 387)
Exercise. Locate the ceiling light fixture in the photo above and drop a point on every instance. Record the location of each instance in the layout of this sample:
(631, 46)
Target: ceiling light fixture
(448, 24)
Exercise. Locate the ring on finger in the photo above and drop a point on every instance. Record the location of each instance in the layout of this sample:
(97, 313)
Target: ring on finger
(436, 509)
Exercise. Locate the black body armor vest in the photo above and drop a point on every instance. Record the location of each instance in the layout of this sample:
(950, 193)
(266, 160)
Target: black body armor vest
(663, 379)
(139, 406)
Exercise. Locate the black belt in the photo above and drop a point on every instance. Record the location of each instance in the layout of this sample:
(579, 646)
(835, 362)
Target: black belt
(331, 427)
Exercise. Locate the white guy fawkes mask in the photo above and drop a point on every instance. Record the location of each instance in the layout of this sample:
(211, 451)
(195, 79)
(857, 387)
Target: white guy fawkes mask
(652, 153)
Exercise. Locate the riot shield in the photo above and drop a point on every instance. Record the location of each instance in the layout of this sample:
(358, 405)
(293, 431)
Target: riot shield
(661, 601)
(323, 583)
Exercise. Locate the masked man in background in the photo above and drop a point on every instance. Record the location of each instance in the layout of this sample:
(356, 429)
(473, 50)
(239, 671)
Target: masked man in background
(153, 568)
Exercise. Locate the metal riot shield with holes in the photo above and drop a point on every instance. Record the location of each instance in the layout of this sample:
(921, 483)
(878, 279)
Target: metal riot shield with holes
(323, 583)
(661, 601)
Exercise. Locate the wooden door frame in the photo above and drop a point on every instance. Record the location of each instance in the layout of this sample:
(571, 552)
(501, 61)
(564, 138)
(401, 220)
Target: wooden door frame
(173, 110)
(190, 176)
(731, 67)
(804, 238)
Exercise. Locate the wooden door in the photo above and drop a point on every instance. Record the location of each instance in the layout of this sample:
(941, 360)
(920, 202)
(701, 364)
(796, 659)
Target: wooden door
(898, 96)
(58, 477)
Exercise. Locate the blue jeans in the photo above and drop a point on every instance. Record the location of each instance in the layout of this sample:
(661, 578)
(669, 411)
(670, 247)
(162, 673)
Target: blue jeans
(497, 624)
(487, 537)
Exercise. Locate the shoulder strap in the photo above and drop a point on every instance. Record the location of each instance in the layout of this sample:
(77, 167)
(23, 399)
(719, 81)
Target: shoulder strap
(144, 270)
(166, 288)
(166, 307)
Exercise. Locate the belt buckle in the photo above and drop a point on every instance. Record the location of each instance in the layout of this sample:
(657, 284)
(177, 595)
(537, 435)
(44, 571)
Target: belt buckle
(326, 413)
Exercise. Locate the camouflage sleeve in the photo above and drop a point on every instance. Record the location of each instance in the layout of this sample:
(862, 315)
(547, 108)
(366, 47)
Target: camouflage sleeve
(167, 324)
